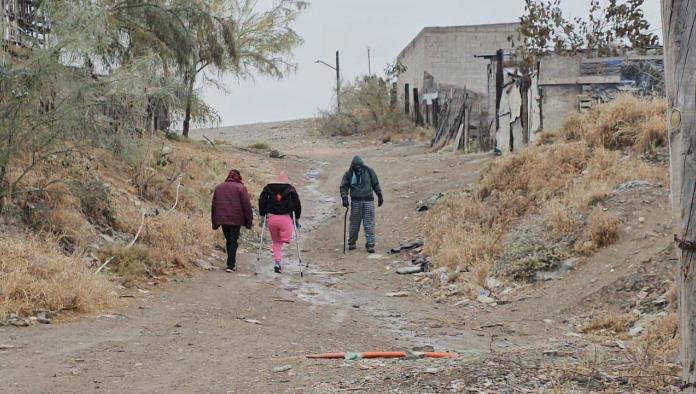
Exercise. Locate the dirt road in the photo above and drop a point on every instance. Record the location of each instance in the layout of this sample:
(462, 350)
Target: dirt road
(217, 332)
(193, 335)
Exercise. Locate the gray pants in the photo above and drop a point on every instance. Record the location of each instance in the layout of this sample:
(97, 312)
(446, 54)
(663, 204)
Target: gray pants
(362, 211)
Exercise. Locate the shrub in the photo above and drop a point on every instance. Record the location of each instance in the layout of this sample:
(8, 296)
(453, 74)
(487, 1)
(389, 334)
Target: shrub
(365, 107)
(95, 202)
(133, 264)
(261, 145)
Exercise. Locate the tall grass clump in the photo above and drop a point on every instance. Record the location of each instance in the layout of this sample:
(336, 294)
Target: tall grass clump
(35, 275)
(628, 121)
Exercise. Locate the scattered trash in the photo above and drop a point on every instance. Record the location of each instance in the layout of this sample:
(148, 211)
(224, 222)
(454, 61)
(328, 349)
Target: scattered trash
(17, 321)
(282, 300)
(204, 265)
(434, 370)
(409, 270)
(275, 154)
(107, 316)
(427, 204)
(43, 317)
(6, 347)
(398, 294)
(423, 262)
(485, 298)
(252, 321)
(406, 247)
(635, 331)
(283, 368)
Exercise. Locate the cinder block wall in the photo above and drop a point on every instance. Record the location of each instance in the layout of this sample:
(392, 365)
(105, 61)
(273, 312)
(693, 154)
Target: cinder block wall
(447, 53)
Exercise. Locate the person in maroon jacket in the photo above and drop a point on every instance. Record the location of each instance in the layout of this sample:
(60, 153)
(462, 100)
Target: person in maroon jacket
(231, 209)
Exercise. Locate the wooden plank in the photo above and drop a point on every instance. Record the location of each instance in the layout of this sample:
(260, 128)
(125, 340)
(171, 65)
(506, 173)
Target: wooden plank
(583, 80)
(679, 23)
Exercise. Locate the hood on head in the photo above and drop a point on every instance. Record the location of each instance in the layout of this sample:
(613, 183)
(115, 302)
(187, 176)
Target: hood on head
(357, 161)
(234, 176)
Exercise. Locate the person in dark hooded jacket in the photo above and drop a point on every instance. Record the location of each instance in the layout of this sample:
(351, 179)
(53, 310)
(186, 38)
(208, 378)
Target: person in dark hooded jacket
(360, 182)
(280, 202)
(231, 209)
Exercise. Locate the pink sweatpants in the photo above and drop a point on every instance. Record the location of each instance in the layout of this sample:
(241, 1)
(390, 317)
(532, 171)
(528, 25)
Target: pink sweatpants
(280, 227)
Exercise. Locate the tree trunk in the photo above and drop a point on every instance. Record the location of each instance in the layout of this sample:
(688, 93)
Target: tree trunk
(189, 102)
(679, 22)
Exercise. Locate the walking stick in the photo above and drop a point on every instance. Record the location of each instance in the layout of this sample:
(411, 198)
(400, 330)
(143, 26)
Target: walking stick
(257, 269)
(297, 242)
(345, 229)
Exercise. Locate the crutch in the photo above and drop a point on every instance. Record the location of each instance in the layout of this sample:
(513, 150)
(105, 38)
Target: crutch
(257, 269)
(345, 229)
(297, 242)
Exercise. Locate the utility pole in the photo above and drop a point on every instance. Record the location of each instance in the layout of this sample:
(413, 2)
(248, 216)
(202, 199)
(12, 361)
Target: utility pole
(369, 64)
(338, 85)
(678, 21)
(338, 80)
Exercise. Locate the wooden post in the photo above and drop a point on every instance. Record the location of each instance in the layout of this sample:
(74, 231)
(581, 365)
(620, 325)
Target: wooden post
(392, 95)
(416, 107)
(679, 22)
(407, 105)
(427, 114)
(436, 113)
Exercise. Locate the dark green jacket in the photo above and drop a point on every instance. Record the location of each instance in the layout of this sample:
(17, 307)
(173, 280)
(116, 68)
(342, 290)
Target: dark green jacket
(365, 186)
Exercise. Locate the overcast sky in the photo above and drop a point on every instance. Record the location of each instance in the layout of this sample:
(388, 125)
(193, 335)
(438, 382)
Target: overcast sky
(351, 26)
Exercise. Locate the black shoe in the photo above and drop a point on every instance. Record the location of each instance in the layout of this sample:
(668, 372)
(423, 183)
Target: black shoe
(351, 246)
(370, 249)
(277, 268)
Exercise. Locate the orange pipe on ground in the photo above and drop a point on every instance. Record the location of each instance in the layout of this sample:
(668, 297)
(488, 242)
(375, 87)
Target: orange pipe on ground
(328, 355)
(393, 354)
(382, 354)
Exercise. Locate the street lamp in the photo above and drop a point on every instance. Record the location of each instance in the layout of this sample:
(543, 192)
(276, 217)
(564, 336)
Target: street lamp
(338, 80)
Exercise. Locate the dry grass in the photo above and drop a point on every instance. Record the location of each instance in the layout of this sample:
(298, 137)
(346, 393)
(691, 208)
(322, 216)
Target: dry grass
(602, 229)
(75, 199)
(628, 121)
(612, 322)
(35, 275)
(646, 365)
(560, 183)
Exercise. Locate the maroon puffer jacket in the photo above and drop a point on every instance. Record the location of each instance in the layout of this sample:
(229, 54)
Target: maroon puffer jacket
(231, 205)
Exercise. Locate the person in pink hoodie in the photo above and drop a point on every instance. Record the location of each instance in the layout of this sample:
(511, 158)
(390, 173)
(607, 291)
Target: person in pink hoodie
(279, 201)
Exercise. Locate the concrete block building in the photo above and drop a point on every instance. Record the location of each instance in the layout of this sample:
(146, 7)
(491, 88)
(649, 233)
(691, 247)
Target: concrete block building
(445, 57)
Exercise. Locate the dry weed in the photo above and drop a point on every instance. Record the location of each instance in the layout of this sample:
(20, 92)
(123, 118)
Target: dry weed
(563, 182)
(35, 275)
(627, 121)
(601, 229)
(614, 322)
(561, 218)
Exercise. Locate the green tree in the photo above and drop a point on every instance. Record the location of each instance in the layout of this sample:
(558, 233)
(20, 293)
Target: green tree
(609, 29)
(231, 36)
